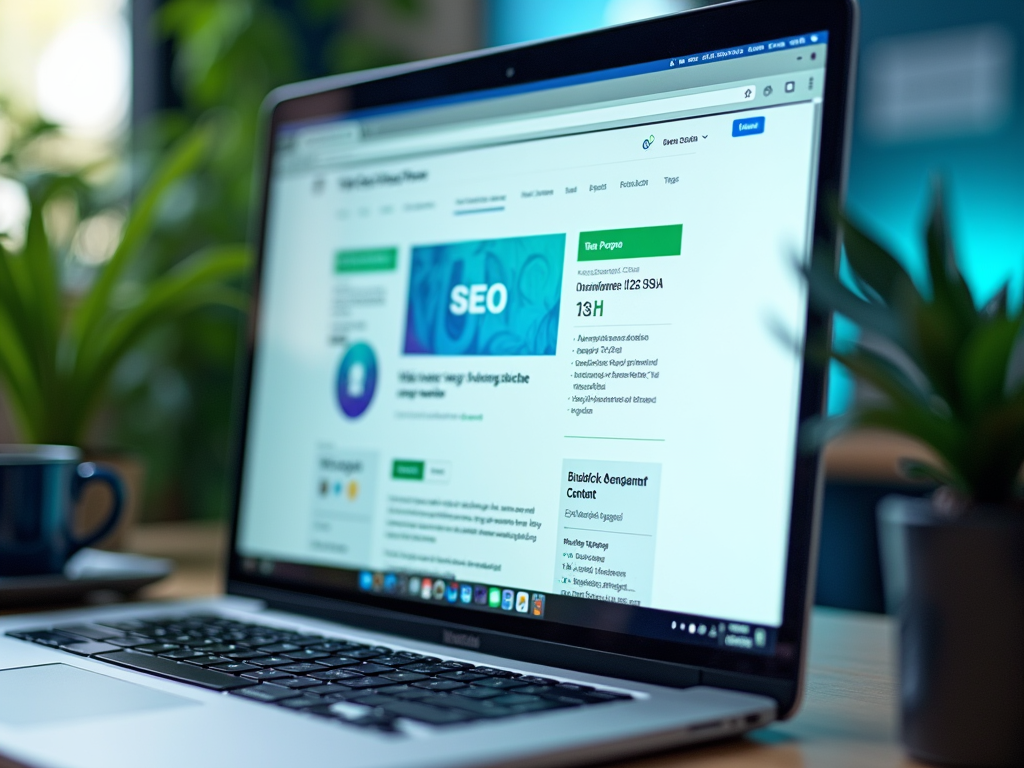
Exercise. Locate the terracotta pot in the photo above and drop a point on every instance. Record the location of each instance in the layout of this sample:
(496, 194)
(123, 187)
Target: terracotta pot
(95, 501)
(957, 586)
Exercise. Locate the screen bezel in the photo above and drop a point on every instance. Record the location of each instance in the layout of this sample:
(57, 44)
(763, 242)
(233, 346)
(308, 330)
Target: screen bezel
(706, 29)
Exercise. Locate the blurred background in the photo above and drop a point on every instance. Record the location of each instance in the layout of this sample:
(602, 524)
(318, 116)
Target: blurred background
(102, 89)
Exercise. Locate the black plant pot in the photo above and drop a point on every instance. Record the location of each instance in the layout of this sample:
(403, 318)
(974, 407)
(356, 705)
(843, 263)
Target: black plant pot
(957, 586)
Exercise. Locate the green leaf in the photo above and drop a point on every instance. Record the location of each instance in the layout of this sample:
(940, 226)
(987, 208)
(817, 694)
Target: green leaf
(16, 370)
(828, 294)
(885, 375)
(197, 282)
(878, 268)
(982, 369)
(185, 155)
(950, 291)
(941, 435)
(923, 471)
(996, 306)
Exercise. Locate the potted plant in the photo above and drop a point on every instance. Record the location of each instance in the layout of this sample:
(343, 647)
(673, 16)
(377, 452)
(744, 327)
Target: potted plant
(953, 380)
(60, 344)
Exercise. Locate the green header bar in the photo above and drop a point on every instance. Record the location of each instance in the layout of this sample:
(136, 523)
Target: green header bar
(372, 260)
(634, 243)
(403, 469)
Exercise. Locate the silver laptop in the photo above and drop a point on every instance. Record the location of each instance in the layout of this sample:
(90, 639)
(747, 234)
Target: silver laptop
(518, 476)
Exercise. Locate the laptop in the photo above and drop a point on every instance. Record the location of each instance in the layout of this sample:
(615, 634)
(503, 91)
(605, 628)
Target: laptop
(518, 477)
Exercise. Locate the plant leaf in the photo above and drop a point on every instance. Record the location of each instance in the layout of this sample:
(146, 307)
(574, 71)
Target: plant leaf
(984, 363)
(885, 375)
(950, 291)
(197, 282)
(914, 469)
(828, 294)
(878, 268)
(185, 155)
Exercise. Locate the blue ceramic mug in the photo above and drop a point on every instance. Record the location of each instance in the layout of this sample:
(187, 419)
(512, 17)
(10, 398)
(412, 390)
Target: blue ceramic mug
(39, 487)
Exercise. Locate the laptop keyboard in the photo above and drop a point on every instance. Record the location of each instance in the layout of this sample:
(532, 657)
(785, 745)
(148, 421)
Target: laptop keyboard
(369, 686)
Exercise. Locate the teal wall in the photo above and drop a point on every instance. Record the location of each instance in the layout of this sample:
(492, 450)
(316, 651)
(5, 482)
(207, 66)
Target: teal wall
(889, 178)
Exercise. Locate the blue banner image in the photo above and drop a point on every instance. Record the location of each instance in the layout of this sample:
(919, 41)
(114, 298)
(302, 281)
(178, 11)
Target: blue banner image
(486, 297)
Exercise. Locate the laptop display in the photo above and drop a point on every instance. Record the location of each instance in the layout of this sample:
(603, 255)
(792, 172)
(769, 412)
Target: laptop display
(529, 351)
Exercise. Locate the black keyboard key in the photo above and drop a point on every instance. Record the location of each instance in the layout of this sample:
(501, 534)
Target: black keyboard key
(588, 697)
(325, 689)
(306, 654)
(402, 676)
(271, 661)
(499, 683)
(302, 702)
(207, 661)
(176, 670)
(334, 674)
(454, 665)
(258, 641)
(234, 667)
(333, 646)
(333, 662)
(301, 668)
(494, 672)
(424, 713)
(536, 706)
(439, 685)
(220, 649)
(181, 654)
(46, 637)
(514, 699)
(408, 692)
(278, 648)
(396, 660)
(565, 701)
(482, 708)
(263, 675)
(89, 631)
(245, 655)
(345, 695)
(369, 682)
(157, 647)
(267, 693)
(369, 668)
(478, 693)
(128, 641)
(351, 712)
(462, 675)
(426, 669)
(89, 648)
(363, 653)
(306, 640)
(571, 688)
(532, 680)
(297, 682)
(126, 625)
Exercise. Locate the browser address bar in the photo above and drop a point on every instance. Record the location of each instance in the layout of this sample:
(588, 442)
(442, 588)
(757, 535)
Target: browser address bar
(455, 137)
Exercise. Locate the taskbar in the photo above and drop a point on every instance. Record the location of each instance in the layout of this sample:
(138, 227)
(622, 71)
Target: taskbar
(655, 623)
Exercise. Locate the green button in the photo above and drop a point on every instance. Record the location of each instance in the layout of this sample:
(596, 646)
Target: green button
(403, 469)
(372, 260)
(633, 243)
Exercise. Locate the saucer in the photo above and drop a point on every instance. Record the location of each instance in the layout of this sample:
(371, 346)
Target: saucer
(89, 570)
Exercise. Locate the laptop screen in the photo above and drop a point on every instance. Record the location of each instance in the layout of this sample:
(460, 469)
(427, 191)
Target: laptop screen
(530, 351)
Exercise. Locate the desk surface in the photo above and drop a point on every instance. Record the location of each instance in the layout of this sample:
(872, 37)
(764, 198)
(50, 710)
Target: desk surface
(848, 717)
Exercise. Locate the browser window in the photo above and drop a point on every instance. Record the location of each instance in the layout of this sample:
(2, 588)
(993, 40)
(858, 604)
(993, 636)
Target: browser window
(520, 350)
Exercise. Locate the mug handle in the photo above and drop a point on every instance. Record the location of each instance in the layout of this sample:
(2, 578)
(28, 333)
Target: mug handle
(88, 472)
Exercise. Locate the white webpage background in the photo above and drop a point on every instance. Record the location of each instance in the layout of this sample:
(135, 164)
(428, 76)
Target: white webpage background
(728, 427)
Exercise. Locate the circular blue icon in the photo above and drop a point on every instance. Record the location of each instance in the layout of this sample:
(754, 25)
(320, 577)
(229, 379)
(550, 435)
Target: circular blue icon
(357, 380)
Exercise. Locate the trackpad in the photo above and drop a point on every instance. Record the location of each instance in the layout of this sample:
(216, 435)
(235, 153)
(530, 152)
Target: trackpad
(58, 693)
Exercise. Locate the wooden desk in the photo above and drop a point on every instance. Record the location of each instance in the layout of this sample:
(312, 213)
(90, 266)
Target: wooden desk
(848, 716)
